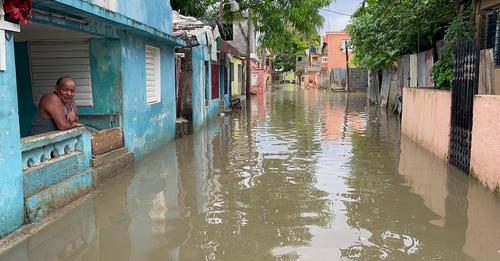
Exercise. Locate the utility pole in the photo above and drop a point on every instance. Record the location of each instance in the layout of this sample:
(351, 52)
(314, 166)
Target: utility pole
(346, 47)
(249, 64)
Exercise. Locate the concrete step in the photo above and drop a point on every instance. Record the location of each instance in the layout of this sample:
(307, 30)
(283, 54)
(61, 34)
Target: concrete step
(107, 140)
(111, 164)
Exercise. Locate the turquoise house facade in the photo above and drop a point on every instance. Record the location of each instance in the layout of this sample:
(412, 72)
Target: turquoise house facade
(125, 54)
(204, 90)
(205, 107)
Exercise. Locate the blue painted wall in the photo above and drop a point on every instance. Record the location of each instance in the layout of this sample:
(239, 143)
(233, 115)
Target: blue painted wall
(157, 13)
(119, 87)
(201, 81)
(11, 176)
(105, 59)
(151, 18)
(222, 73)
(147, 127)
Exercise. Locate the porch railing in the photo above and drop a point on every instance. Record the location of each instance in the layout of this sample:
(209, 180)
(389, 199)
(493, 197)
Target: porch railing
(41, 150)
(56, 168)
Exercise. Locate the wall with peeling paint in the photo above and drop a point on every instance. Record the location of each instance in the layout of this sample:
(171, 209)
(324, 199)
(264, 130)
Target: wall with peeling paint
(122, 30)
(118, 66)
(105, 59)
(147, 127)
(58, 182)
(204, 107)
(11, 177)
(157, 13)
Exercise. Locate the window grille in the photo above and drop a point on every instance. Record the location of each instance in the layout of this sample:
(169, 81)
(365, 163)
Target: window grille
(491, 34)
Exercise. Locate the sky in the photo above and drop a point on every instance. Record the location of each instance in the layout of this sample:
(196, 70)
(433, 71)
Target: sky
(336, 22)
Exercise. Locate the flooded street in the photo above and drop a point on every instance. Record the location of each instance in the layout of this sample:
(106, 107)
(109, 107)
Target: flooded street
(301, 175)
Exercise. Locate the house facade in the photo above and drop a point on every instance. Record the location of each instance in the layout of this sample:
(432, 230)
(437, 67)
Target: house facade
(311, 69)
(334, 44)
(205, 79)
(121, 55)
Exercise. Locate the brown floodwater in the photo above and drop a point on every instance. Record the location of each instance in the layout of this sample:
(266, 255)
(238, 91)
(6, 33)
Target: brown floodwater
(298, 175)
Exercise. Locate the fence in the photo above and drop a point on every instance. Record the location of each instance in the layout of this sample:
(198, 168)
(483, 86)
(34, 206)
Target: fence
(358, 78)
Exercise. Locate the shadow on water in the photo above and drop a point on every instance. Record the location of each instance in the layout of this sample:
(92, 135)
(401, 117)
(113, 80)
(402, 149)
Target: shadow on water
(294, 175)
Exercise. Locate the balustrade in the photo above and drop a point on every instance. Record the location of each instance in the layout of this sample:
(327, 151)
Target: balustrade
(44, 149)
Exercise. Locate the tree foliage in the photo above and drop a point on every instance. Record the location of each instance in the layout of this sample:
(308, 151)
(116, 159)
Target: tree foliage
(460, 30)
(276, 21)
(280, 21)
(285, 60)
(383, 30)
(196, 8)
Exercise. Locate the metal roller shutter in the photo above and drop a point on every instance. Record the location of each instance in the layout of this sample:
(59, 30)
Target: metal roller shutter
(53, 59)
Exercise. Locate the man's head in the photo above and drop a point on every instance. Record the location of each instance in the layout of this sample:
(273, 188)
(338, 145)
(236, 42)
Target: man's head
(66, 88)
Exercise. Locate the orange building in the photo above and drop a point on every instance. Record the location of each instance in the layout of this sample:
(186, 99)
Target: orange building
(333, 50)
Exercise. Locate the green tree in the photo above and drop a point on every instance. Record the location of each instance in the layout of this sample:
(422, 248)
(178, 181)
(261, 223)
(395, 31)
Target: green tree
(285, 59)
(383, 30)
(460, 30)
(196, 8)
(276, 21)
(279, 21)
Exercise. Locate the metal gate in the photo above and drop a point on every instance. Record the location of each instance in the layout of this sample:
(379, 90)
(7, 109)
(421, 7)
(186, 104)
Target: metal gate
(465, 86)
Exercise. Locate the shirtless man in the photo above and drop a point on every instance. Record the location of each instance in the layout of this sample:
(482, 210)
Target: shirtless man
(57, 110)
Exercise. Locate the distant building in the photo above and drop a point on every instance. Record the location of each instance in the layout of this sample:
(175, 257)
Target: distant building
(308, 68)
(334, 49)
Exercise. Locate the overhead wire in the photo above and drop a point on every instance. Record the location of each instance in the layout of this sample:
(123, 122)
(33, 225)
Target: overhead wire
(335, 12)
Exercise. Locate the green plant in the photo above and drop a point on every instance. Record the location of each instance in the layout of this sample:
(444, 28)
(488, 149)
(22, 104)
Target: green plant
(442, 74)
(383, 30)
(460, 30)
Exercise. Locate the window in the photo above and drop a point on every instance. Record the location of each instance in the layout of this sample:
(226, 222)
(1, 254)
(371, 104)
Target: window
(153, 75)
(226, 83)
(207, 84)
(491, 38)
(240, 78)
(53, 59)
(345, 44)
(215, 81)
(299, 59)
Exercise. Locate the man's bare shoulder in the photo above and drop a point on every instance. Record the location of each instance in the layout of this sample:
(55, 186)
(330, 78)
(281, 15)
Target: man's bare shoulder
(50, 98)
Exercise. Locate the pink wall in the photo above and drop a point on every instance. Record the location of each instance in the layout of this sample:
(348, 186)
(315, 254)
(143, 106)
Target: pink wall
(427, 118)
(311, 80)
(336, 57)
(485, 152)
(259, 85)
(419, 169)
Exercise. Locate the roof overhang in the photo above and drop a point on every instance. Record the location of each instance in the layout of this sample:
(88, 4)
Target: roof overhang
(225, 47)
(96, 20)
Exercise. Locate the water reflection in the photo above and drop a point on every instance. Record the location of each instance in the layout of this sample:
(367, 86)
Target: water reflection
(295, 175)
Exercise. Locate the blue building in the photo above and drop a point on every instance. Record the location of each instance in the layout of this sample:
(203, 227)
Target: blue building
(122, 55)
(205, 61)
